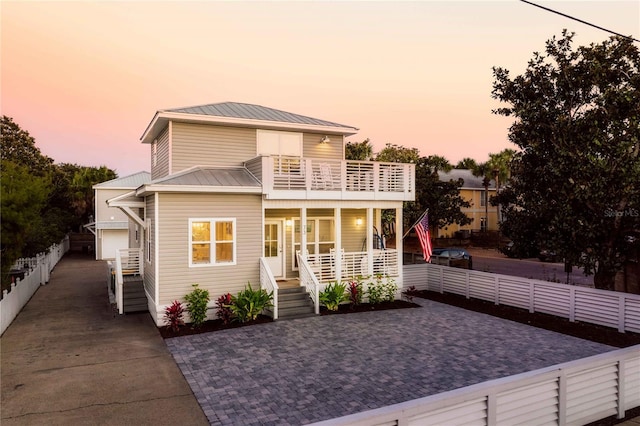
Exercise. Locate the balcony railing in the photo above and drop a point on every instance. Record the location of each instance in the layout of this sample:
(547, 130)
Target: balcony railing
(353, 264)
(309, 178)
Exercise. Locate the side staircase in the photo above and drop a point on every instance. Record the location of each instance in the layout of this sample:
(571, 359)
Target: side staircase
(133, 295)
(294, 303)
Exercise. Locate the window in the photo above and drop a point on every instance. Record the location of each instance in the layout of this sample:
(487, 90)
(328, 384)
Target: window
(483, 223)
(154, 155)
(136, 234)
(212, 242)
(320, 237)
(483, 199)
(271, 142)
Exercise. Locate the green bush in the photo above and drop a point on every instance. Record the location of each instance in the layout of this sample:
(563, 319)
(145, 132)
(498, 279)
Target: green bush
(375, 291)
(248, 304)
(197, 302)
(390, 289)
(333, 294)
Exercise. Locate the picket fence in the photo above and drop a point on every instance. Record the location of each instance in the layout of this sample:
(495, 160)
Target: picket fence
(608, 308)
(573, 393)
(37, 272)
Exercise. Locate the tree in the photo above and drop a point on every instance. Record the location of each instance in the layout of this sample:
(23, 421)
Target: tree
(19, 147)
(442, 198)
(485, 171)
(575, 184)
(359, 151)
(466, 163)
(393, 153)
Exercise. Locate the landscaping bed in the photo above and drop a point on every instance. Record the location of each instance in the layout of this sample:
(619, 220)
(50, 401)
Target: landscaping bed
(367, 307)
(595, 333)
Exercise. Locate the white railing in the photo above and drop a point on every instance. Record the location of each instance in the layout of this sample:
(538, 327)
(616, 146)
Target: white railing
(268, 282)
(576, 392)
(309, 281)
(128, 262)
(608, 308)
(354, 264)
(356, 179)
(37, 271)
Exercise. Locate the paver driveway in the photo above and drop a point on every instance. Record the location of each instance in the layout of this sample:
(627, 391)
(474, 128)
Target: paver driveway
(307, 370)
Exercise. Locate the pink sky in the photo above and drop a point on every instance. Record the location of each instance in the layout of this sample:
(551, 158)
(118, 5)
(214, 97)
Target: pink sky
(85, 78)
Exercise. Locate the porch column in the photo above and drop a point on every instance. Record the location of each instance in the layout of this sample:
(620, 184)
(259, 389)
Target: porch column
(337, 220)
(303, 232)
(399, 247)
(369, 239)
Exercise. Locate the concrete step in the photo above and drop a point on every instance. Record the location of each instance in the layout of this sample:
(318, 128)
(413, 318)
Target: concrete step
(295, 312)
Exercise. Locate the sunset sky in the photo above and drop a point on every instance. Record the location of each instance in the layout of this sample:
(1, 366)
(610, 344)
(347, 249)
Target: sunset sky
(85, 78)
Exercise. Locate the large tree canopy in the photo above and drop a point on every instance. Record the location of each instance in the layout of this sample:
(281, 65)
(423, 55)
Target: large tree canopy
(575, 185)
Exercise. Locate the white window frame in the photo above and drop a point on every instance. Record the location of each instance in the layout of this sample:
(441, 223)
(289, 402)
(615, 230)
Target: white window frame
(154, 153)
(316, 230)
(147, 242)
(212, 242)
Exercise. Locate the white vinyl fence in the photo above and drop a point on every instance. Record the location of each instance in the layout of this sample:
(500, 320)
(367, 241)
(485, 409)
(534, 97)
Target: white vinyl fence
(36, 272)
(608, 308)
(572, 393)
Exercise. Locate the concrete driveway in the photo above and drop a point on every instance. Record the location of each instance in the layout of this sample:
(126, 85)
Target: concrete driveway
(68, 359)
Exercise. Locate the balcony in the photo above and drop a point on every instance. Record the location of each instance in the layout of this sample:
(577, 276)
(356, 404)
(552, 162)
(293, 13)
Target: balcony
(313, 179)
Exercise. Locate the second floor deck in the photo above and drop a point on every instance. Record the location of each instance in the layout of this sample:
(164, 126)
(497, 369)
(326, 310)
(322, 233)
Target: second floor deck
(311, 178)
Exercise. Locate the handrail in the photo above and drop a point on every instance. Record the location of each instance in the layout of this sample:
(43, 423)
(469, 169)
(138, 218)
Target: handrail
(309, 281)
(128, 262)
(269, 283)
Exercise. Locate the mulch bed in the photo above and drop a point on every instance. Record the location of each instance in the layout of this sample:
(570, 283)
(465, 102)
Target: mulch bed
(210, 326)
(367, 307)
(595, 333)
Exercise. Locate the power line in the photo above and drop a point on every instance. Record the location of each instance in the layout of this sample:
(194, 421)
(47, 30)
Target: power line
(579, 20)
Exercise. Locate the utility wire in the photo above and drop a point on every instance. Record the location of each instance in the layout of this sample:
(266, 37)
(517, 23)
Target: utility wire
(579, 20)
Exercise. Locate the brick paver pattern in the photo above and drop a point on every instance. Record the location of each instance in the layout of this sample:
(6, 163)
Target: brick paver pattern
(312, 369)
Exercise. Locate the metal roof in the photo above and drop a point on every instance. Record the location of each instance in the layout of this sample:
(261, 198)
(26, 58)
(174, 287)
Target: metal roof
(132, 181)
(254, 112)
(211, 176)
(470, 181)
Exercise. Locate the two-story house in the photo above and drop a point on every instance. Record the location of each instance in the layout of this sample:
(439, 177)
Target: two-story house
(473, 191)
(242, 193)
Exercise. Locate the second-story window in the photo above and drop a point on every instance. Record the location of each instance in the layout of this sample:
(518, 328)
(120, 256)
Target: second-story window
(154, 153)
(271, 142)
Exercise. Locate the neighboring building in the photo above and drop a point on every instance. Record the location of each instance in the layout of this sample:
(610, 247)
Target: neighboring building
(472, 191)
(231, 185)
(111, 226)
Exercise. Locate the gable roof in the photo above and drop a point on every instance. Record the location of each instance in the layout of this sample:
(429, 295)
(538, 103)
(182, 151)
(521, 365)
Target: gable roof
(470, 181)
(243, 115)
(127, 182)
(206, 179)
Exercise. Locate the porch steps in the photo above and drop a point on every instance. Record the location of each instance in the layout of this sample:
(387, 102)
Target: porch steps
(294, 303)
(133, 295)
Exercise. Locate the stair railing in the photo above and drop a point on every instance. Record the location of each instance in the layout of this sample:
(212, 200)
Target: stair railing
(310, 282)
(268, 282)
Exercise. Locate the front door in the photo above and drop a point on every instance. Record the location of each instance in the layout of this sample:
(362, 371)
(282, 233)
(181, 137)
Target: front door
(273, 249)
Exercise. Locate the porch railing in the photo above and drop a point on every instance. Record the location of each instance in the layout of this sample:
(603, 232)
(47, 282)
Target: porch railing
(128, 262)
(358, 179)
(354, 264)
(268, 282)
(309, 281)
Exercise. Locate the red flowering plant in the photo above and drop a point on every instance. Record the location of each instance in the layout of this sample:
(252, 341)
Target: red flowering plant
(223, 308)
(355, 292)
(173, 316)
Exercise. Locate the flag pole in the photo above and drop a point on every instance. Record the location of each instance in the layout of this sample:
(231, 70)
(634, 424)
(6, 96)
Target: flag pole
(415, 223)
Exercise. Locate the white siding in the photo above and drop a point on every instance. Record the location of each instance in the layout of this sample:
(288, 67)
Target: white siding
(161, 167)
(207, 145)
(149, 267)
(312, 148)
(175, 275)
(103, 212)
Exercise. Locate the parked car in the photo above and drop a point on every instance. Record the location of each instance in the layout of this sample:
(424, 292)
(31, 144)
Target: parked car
(452, 256)
(548, 256)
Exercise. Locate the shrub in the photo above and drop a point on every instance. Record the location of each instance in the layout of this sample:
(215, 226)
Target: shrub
(390, 288)
(409, 292)
(333, 294)
(173, 316)
(375, 290)
(355, 292)
(248, 304)
(224, 311)
(197, 302)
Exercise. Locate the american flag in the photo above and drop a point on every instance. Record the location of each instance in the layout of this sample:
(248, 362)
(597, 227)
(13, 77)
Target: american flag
(422, 229)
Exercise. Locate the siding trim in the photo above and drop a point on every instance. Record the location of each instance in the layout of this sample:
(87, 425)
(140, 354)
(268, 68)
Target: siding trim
(156, 247)
(170, 147)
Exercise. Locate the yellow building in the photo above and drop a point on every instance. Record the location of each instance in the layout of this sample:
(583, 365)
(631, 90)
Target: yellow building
(472, 191)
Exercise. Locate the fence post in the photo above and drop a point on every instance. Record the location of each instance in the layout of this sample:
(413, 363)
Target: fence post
(621, 318)
(562, 398)
(496, 290)
(466, 285)
(572, 304)
(531, 297)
